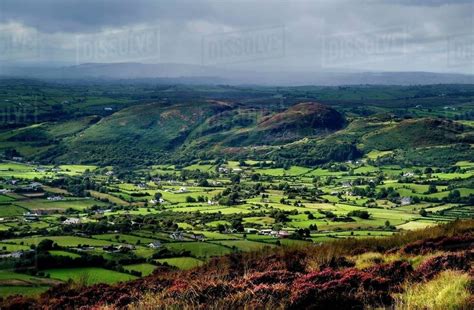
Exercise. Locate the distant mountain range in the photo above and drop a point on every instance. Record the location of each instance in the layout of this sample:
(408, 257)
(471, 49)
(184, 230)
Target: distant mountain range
(197, 74)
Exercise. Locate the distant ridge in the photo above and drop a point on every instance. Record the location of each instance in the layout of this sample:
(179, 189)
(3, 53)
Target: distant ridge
(198, 74)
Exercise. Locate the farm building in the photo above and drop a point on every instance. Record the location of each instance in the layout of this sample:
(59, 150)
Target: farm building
(154, 244)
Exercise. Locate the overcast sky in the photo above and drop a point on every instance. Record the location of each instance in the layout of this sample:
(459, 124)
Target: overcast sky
(367, 35)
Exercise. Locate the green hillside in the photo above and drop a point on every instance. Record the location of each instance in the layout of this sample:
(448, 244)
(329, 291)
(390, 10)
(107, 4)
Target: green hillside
(142, 131)
(416, 133)
(137, 124)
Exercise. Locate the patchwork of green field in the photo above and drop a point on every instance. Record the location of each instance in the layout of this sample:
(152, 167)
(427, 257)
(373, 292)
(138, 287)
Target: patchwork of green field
(145, 269)
(215, 224)
(279, 172)
(199, 249)
(10, 210)
(319, 172)
(88, 275)
(310, 205)
(12, 283)
(465, 164)
(124, 238)
(210, 209)
(212, 235)
(292, 242)
(243, 245)
(55, 190)
(186, 226)
(79, 204)
(64, 253)
(13, 247)
(4, 198)
(451, 176)
(10, 276)
(260, 220)
(76, 169)
(183, 263)
(29, 172)
(4, 227)
(413, 225)
(30, 291)
(173, 194)
(365, 170)
(200, 167)
(109, 198)
(460, 212)
(65, 241)
(376, 154)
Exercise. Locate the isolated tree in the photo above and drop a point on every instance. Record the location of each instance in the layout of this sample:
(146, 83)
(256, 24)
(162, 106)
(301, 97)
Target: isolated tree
(221, 228)
(235, 179)
(45, 245)
(190, 199)
(432, 189)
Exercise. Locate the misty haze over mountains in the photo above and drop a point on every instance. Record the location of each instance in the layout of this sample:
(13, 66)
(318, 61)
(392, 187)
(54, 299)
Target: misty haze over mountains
(199, 74)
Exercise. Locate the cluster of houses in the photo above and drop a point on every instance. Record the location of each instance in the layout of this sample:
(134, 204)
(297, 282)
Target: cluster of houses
(159, 181)
(268, 232)
(32, 187)
(179, 236)
(15, 254)
(225, 170)
(47, 169)
(55, 198)
(142, 186)
(30, 217)
(72, 221)
(405, 201)
(102, 211)
(156, 201)
(154, 245)
(118, 249)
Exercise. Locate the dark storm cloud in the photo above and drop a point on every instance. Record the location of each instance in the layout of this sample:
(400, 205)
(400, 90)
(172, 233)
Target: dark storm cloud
(416, 33)
(92, 15)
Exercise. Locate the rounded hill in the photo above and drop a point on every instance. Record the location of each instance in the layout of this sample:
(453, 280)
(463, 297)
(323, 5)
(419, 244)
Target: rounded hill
(305, 116)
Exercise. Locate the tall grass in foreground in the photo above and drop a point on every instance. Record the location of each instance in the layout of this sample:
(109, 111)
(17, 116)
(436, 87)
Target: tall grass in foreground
(325, 252)
(449, 290)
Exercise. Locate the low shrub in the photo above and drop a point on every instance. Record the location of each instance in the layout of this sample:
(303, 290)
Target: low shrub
(456, 261)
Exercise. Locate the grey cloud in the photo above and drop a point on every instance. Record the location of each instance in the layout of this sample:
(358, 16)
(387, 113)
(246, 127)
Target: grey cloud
(91, 15)
(427, 28)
